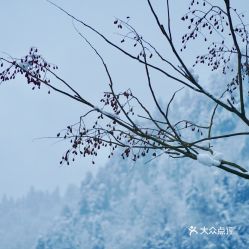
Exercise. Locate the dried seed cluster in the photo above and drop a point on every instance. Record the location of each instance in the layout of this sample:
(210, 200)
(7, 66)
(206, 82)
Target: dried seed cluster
(33, 66)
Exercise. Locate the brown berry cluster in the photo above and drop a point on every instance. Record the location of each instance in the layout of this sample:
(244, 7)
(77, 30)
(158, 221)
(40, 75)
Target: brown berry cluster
(32, 66)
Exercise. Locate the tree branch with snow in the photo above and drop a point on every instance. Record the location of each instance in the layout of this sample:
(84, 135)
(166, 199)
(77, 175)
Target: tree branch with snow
(122, 120)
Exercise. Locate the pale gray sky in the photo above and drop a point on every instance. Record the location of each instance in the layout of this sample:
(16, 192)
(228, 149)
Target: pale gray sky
(26, 115)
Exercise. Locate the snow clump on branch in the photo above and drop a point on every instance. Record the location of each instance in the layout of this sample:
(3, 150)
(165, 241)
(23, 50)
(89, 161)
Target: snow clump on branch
(210, 160)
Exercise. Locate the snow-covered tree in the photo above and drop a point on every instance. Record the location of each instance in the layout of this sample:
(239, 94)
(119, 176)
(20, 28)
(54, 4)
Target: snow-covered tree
(153, 206)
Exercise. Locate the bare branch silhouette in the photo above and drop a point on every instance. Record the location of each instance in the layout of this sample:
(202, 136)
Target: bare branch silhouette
(123, 120)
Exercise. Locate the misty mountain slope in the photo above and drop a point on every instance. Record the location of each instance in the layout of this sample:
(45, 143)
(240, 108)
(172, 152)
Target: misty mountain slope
(24, 219)
(153, 205)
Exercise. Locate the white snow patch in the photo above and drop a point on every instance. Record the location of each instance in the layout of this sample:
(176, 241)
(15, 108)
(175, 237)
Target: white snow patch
(208, 160)
(108, 114)
(218, 156)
